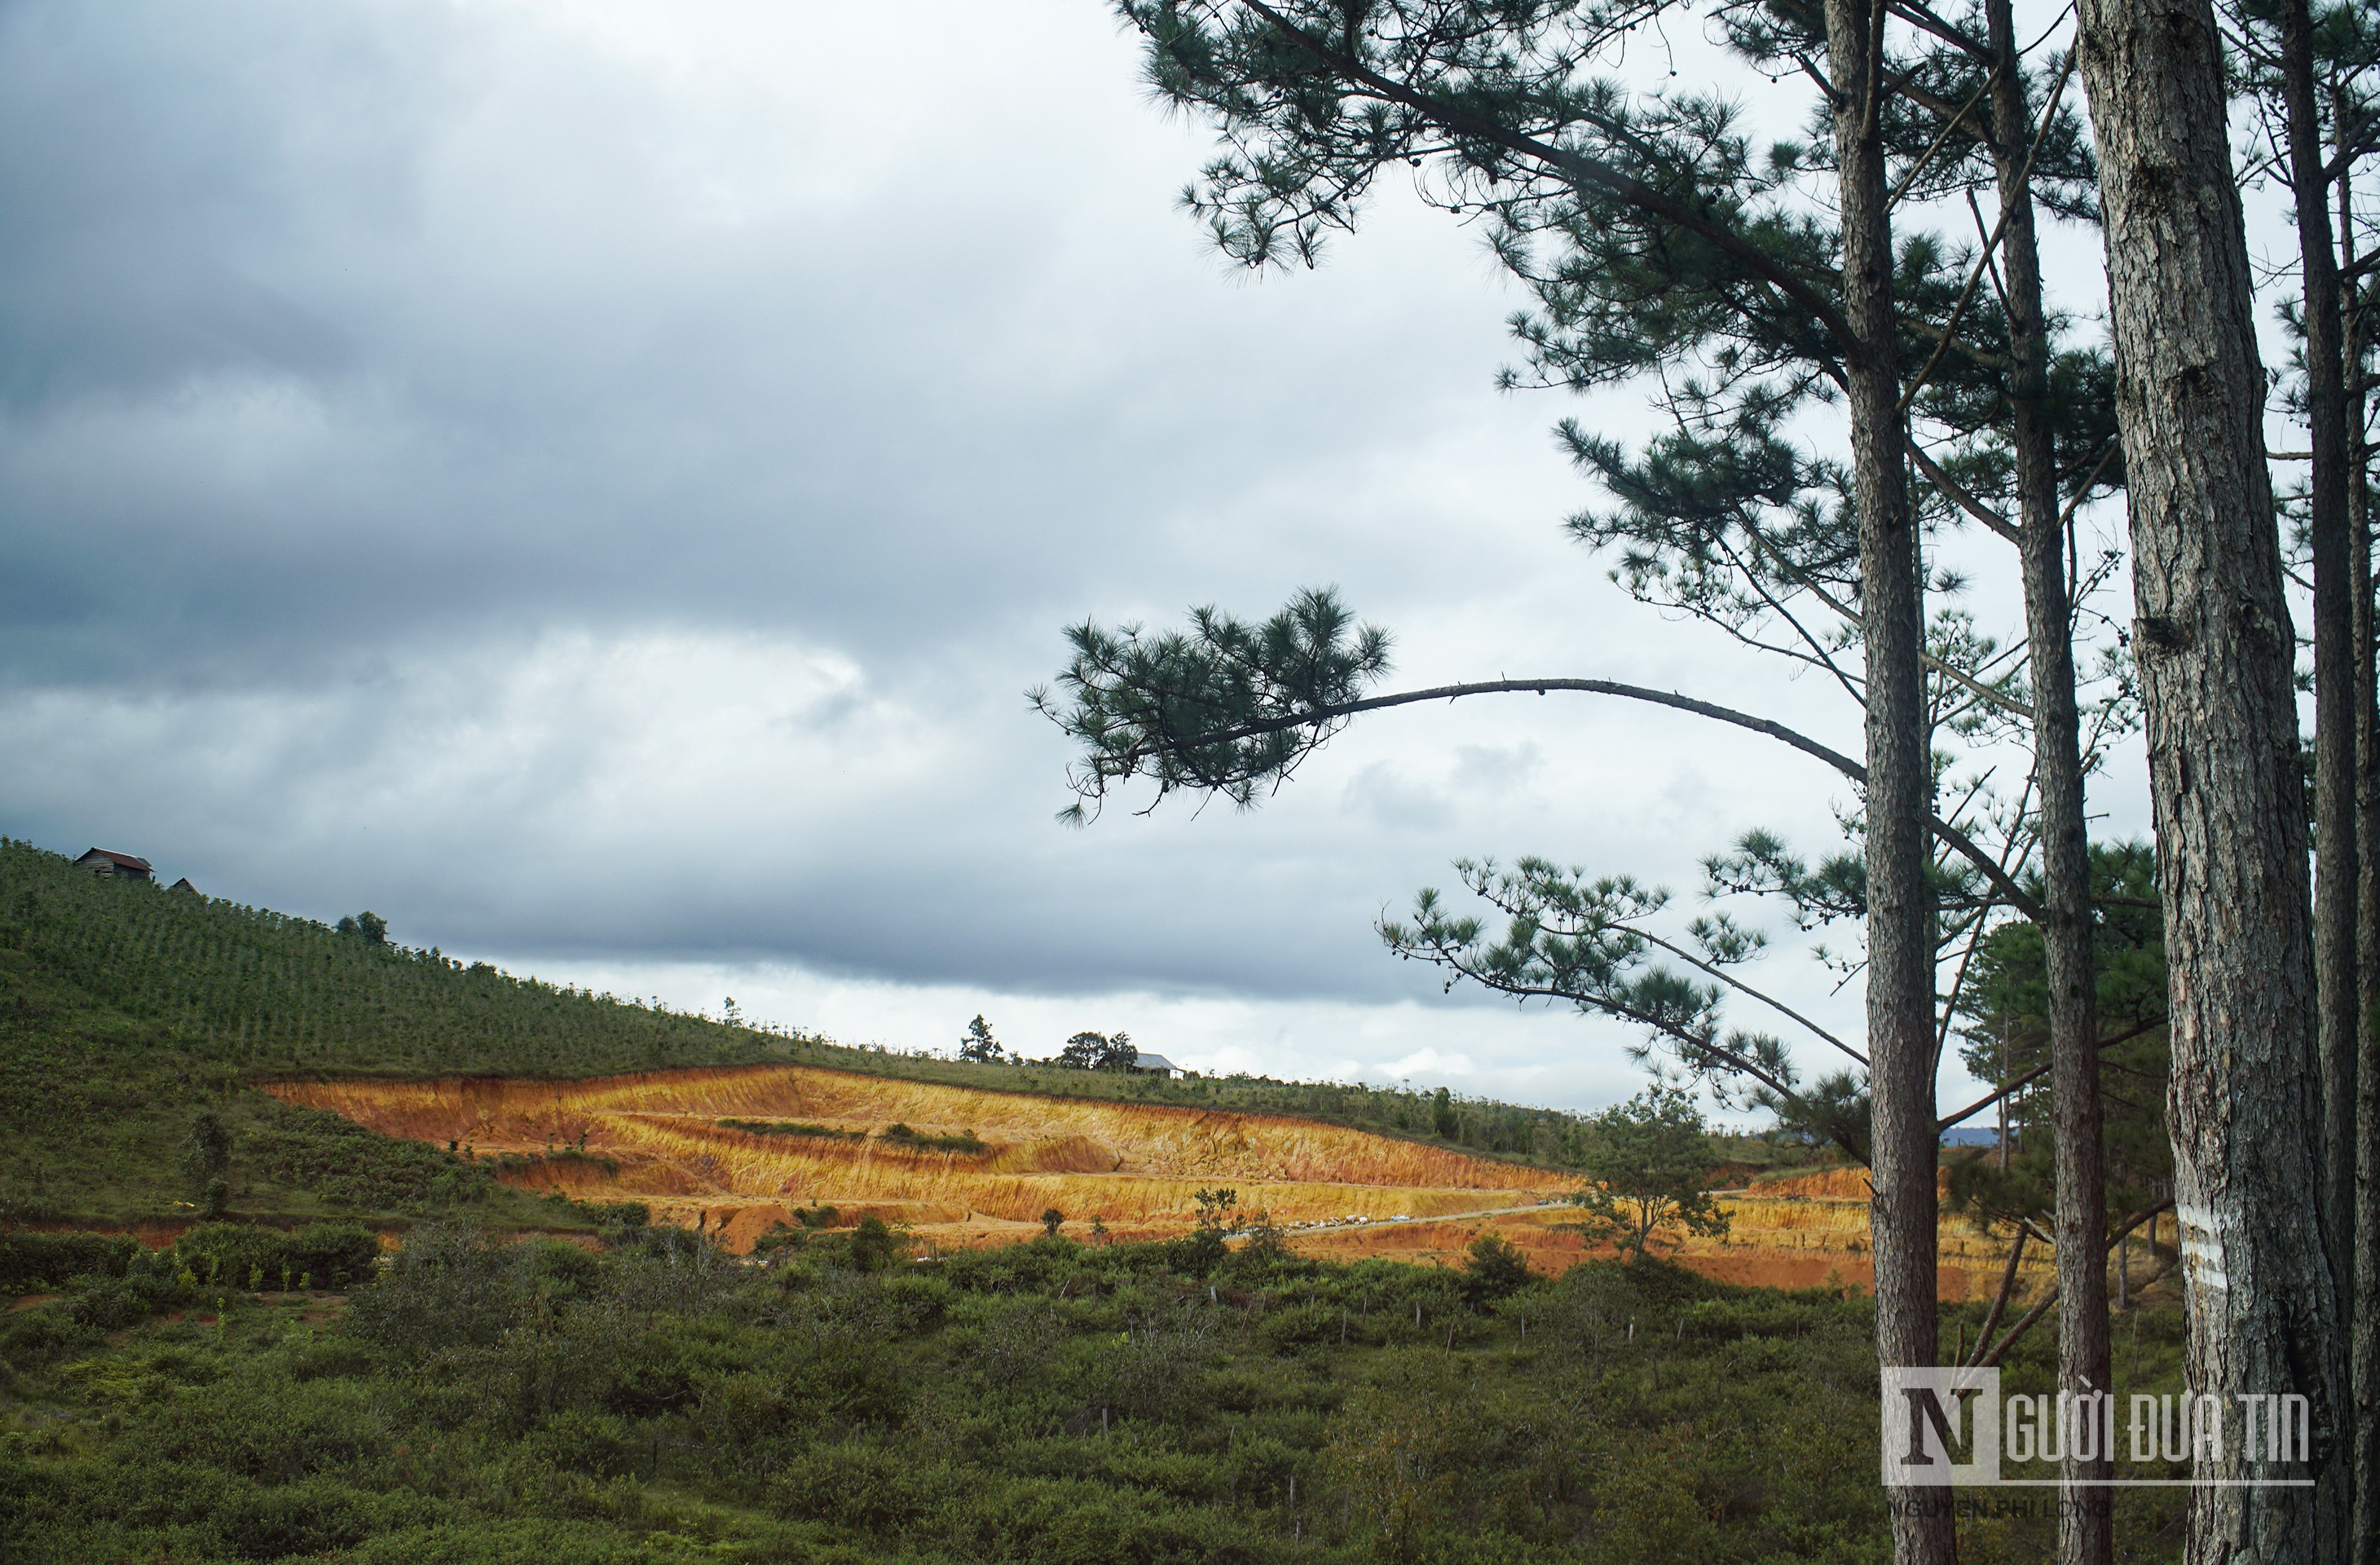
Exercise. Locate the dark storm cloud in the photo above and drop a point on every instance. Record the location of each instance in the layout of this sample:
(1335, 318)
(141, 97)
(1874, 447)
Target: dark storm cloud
(597, 481)
(311, 349)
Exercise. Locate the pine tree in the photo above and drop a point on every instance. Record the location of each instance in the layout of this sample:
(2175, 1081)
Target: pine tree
(1647, 231)
(2215, 649)
(2309, 72)
(977, 1043)
(206, 1163)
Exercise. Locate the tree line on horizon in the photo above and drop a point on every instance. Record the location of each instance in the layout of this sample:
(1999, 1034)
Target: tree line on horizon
(1866, 390)
(1084, 1051)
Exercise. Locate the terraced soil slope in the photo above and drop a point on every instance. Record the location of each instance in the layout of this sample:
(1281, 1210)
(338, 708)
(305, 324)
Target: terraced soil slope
(661, 1138)
(685, 1143)
(1806, 1230)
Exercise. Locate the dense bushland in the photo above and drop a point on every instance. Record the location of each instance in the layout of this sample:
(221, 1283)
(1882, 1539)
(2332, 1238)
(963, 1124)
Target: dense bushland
(483, 1400)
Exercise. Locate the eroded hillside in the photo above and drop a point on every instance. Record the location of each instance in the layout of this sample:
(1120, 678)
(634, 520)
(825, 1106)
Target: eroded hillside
(972, 1165)
(734, 1151)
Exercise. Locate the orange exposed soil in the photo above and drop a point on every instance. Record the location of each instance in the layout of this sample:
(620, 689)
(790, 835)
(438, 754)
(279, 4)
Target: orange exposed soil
(1787, 1240)
(657, 1138)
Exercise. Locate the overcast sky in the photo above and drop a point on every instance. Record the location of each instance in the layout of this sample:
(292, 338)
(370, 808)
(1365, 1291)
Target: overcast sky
(592, 483)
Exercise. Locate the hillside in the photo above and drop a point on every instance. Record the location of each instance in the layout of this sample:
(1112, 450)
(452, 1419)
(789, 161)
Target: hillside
(735, 1151)
(234, 1395)
(257, 990)
(266, 993)
(127, 1010)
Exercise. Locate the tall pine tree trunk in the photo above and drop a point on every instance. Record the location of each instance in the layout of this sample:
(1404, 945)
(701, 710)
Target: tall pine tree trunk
(2364, 1333)
(2215, 644)
(2334, 634)
(2363, 1339)
(2363, 1326)
(2085, 1525)
(1899, 774)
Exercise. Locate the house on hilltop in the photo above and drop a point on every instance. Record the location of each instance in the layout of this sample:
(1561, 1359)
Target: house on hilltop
(116, 865)
(1154, 1065)
(184, 885)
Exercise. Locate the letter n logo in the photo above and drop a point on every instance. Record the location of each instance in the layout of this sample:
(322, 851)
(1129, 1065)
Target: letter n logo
(1941, 1427)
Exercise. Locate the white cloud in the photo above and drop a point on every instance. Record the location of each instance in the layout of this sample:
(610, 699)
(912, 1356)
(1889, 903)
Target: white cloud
(1430, 1064)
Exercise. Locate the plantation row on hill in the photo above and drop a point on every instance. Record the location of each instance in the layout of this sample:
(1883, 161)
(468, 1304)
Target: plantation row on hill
(263, 992)
(125, 1010)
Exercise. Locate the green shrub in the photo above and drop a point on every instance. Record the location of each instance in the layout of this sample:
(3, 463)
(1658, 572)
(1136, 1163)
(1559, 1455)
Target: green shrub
(1494, 1271)
(922, 1300)
(205, 1154)
(783, 1127)
(447, 1288)
(1310, 1322)
(964, 1141)
(110, 1303)
(596, 1443)
(1199, 1253)
(243, 1255)
(35, 1263)
(316, 1517)
(336, 1255)
(343, 1162)
(618, 1214)
(868, 1246)
(26, 1335)
(521, 1402)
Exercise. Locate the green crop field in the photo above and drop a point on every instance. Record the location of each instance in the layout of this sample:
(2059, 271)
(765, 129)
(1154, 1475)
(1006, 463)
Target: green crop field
(126, 1011)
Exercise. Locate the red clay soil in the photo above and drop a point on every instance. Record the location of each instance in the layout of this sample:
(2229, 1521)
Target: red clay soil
(667, 1139)
(661, 1138)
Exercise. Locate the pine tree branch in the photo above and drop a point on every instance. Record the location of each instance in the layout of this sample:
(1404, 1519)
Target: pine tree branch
(2033, 1315)
(1850, 616)
(2021, 1083)
(1926, 19)
(1119, 762)
(1732, 981)
(1734, 1059)
(2001, 1299)
(1999, 230)
(1975, 932)
(1957, 491)
(1580, 170)
(1951, 120)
